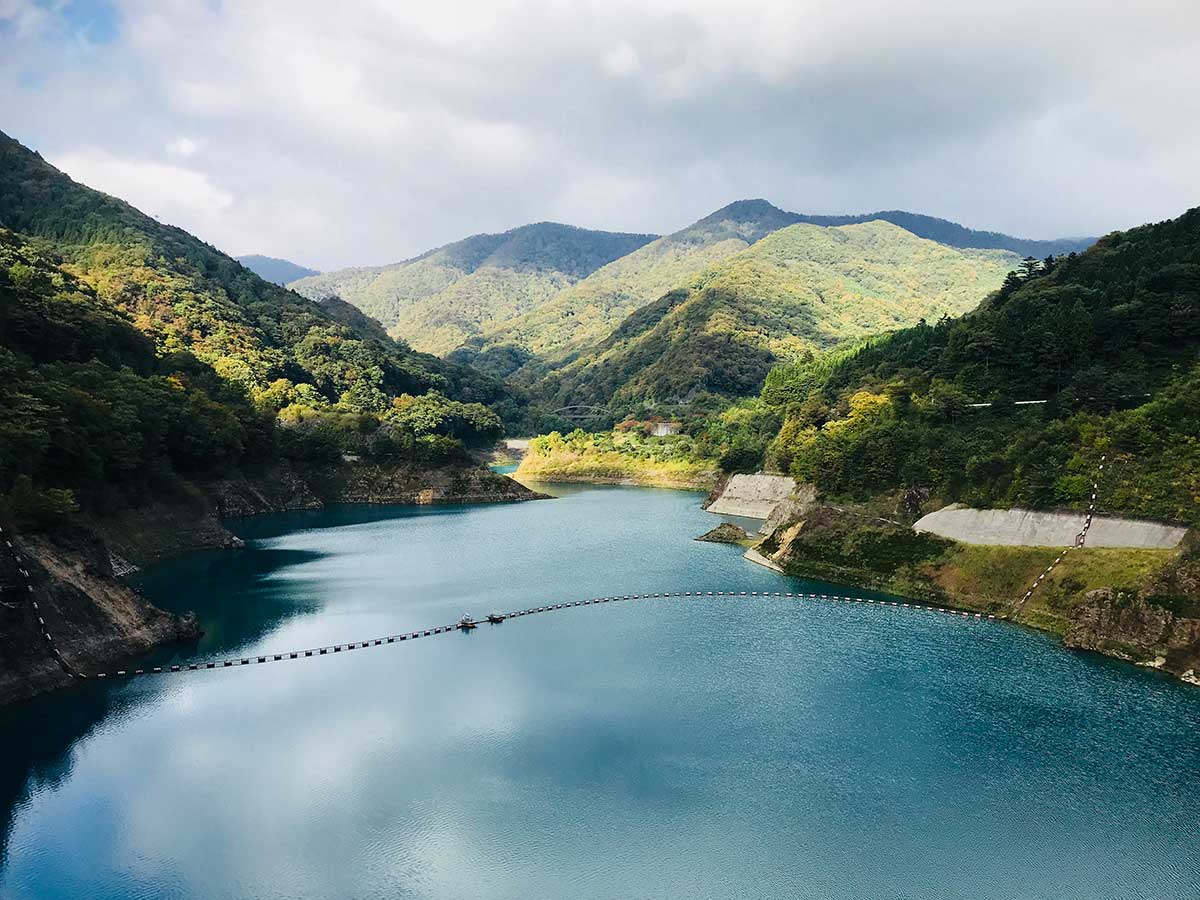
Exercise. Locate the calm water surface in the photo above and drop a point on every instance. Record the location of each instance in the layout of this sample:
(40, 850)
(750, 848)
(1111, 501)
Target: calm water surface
(663, 748)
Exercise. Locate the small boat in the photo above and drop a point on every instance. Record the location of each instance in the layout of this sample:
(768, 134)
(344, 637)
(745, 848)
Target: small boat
(466, 623)
(495, 618)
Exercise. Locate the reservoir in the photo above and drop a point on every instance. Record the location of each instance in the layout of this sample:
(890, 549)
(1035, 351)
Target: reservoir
(684, 747)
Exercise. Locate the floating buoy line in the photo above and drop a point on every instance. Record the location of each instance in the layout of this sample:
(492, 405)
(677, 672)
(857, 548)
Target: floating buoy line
(467, 623)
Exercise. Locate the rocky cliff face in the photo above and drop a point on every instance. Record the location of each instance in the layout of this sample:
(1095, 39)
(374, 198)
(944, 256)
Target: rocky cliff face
(164, 528)
(92, 617)
(1157, 625)
(1125, 625)
(380, 483)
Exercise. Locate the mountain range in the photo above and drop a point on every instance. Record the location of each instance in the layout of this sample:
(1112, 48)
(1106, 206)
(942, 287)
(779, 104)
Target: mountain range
(502, 308)
(275, 270)
(563, 311)
(800, 289)
(443, 298)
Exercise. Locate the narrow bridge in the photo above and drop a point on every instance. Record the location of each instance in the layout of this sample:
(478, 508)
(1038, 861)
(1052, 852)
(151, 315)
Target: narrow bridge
(583, 413)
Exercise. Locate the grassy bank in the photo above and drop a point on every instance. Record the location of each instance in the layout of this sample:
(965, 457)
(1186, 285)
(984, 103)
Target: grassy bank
(618, 458)
(837, 548)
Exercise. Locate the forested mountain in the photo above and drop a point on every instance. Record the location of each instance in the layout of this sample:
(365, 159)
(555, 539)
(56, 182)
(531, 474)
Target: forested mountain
(955, 235)
(274, 270)
(133, 351)
(443, 298)
(578, 316)
(588, 311)
(1110, 338)
(798, 289)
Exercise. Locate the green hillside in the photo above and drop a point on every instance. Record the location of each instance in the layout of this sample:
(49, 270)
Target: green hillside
(797, 290)
(954, 235)
(584, 313)
(1110, 337)
(588, 311)
(445, 297)
(134, 352)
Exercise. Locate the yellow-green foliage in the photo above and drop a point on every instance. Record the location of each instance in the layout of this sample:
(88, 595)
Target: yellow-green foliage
(475, 303)
(1108, 341)
(585, 313)
(589, 310)
(798, 289)
(995, 578)
(617, 458)
(444, 298)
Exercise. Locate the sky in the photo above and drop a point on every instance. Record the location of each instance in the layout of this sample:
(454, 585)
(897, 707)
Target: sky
(355, 133)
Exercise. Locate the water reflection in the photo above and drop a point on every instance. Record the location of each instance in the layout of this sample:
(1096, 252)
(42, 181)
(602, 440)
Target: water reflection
(717, 748)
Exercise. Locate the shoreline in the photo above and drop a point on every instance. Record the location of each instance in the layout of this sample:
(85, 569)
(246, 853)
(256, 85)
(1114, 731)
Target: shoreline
(611, 481)
(96, 617)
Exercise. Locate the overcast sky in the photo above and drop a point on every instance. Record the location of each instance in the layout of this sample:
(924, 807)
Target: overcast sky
(343, 133)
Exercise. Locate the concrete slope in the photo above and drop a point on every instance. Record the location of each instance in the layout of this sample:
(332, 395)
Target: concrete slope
(752, 496)
(1027, 528)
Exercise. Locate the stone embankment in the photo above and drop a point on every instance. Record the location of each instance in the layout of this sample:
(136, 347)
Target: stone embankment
(1027, 528)
(751, 496)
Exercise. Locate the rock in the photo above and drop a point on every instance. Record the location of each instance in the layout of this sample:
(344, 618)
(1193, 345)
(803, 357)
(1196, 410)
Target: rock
(1125, 625)
(378, 483)
(789, 509)
(725, 533)
(92, 617)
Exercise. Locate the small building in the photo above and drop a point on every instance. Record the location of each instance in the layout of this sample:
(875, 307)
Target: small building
(664, 429)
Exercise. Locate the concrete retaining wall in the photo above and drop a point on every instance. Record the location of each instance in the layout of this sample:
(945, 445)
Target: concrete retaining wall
(1026, 528)
(752, 496)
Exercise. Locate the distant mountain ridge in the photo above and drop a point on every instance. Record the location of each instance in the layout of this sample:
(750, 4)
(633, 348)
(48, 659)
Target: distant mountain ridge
(576, 317)
(799, 289)
(442, 298)
(590, 309)
(954, 235)
(275, 270)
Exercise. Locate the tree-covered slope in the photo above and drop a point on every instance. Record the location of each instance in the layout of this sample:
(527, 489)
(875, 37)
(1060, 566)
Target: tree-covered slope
(1110, 338)
(275, 270)
(954, 235)
(443, 298)
(134, 353)
(585, 312)
(798, 289)
(90, 407)
(189, 296)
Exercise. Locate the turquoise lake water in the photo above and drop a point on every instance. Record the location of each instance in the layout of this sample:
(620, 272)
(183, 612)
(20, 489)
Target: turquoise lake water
(715, 748)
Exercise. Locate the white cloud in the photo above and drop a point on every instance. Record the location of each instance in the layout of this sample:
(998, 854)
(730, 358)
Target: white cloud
(182, 147)
(171, 193)
(366, 132)
(621, 60)
(24, 17)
